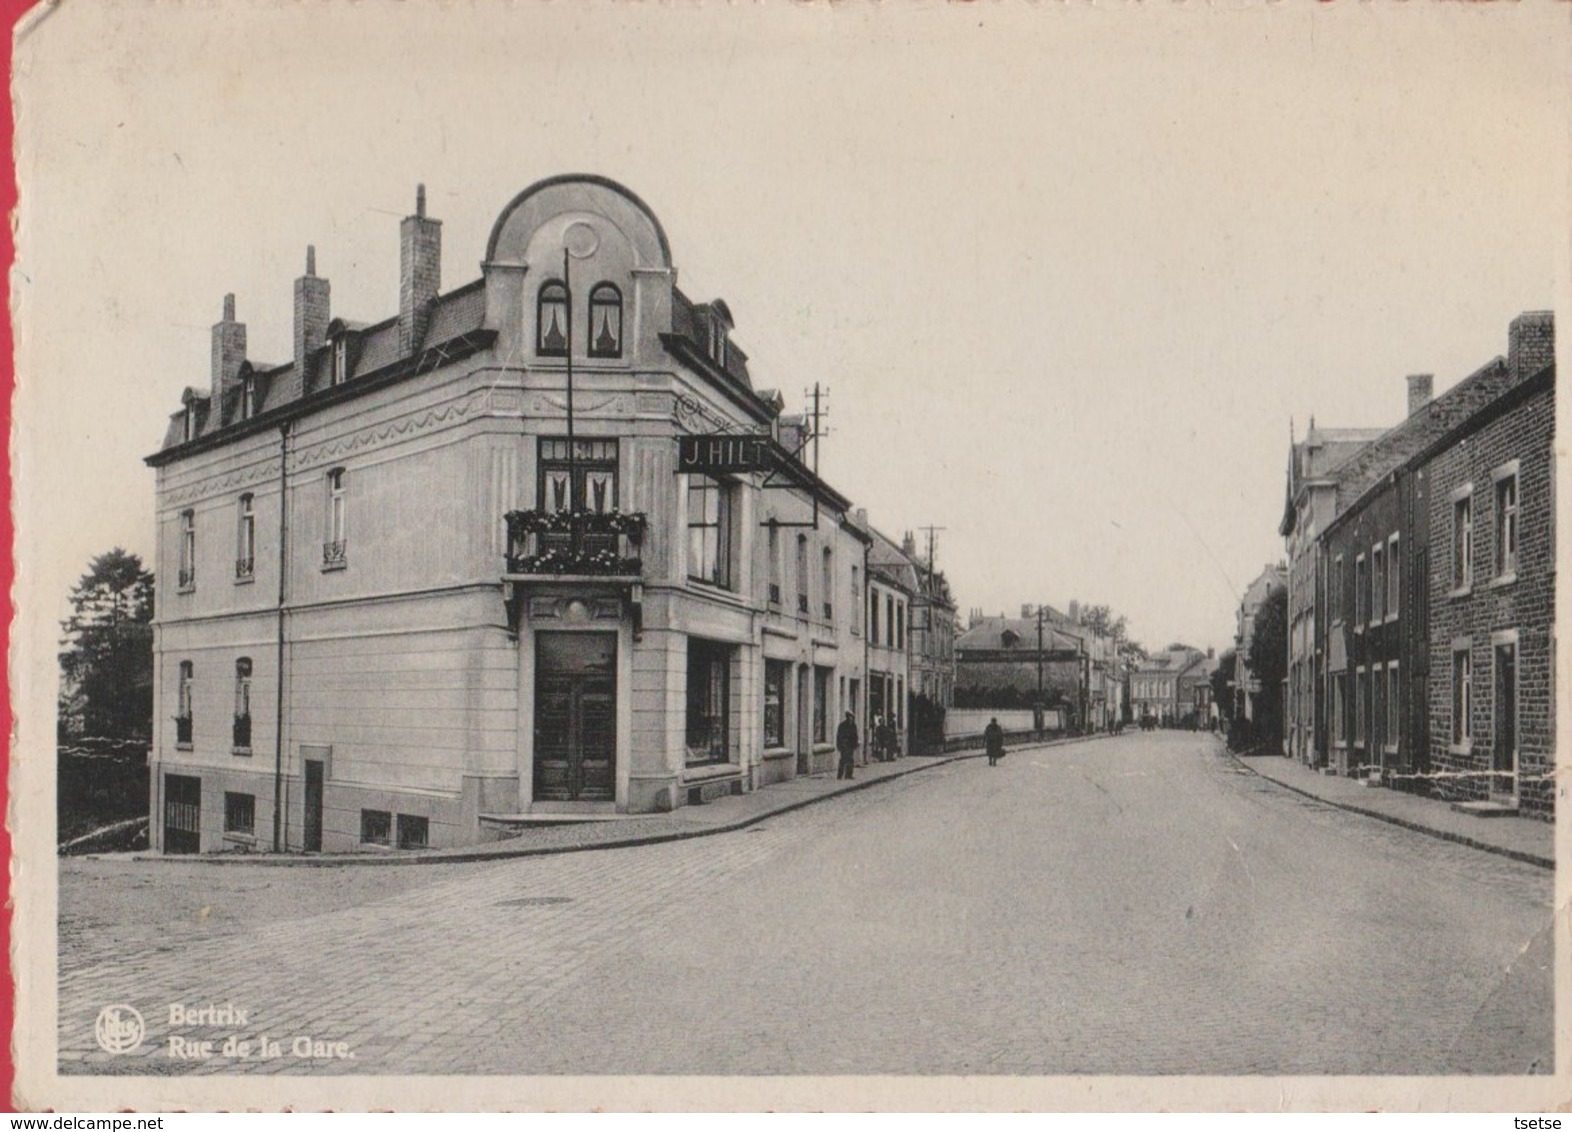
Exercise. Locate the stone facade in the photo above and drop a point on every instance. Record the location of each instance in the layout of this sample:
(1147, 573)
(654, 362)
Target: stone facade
(1492, 603)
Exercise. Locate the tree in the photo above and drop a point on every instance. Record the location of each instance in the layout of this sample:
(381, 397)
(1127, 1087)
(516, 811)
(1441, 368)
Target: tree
(1102, 621)
(106, 655)
(1223, 685)
(1269, 665)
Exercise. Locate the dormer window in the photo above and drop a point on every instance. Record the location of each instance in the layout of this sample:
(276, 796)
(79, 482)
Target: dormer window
(188, 425)
(605, 317)
(718, 342)
(248, 397)
(551, 320)
(340, 360)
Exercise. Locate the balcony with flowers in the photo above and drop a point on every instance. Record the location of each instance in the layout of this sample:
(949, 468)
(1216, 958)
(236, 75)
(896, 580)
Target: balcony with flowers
(579, 543)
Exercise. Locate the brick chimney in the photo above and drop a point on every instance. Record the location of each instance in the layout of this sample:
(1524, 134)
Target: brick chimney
(229, 349)
(311, 314)
(1075, 612)
(1421, 387)
(1531, 343)
(420, 274)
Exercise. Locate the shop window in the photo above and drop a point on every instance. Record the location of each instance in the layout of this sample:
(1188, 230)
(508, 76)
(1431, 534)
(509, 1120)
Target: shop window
(709, 702)
(775, 672)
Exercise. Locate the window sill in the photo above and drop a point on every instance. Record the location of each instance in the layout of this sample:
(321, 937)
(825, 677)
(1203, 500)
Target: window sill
(1466, 748)
(245, 579)
(713, 587)
(330, 567)
(1389, 750)
(245, 751)
(1503, 579)
(185, 747)
(1390, 617)
(778, 752)
(1461, 591)
(190, 588)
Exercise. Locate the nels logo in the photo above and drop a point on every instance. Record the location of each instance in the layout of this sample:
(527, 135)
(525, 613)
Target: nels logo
(119, 1029)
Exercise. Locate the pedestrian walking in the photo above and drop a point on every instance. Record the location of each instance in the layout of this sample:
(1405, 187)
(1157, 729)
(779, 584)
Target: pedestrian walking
(846, 744)
(993, 741)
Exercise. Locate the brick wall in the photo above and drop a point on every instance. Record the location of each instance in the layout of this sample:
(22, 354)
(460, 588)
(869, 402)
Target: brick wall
(1524, 433)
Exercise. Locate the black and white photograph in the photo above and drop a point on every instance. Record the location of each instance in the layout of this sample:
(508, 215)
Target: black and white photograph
(868, 555)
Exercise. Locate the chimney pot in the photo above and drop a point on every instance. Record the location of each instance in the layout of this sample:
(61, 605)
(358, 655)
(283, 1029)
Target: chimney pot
(229, 308)
(311, 259)
(420, 200)
(1421, 387)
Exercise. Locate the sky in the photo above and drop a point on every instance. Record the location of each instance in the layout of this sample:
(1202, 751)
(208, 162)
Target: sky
(1071, 273)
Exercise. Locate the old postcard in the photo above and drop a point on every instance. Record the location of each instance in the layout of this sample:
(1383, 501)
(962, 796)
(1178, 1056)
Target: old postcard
(707, 556)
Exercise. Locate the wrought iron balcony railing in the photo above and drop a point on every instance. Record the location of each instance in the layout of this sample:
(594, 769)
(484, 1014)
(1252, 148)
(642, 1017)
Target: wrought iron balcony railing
(601, 543)
(243, 732)
(335, 555)
(802, 603)
(775, 593)
(183, 730)
(187, 577)
(245, 567)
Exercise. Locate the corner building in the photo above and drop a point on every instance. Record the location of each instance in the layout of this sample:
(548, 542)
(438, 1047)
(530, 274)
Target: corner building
(406, 599)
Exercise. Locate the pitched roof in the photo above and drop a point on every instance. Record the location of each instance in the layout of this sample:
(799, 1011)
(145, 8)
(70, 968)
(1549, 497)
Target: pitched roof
(990, 634)
(1367, 467)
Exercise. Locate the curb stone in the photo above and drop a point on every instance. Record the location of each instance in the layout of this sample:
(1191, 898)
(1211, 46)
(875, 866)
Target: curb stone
(502, 851)
(1393, 819)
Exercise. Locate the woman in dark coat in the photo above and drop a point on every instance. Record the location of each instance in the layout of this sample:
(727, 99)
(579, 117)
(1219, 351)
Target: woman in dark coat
(993, 741)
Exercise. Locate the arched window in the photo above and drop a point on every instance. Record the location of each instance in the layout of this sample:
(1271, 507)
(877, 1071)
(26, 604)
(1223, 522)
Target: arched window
(246, 538)
(605, 318)
(551, 319)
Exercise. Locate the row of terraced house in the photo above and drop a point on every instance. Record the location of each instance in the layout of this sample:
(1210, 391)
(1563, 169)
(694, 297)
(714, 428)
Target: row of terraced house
(532, 546)
(1421, 575)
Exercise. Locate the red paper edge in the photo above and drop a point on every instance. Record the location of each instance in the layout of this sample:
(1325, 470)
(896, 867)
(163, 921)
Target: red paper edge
(12, 12)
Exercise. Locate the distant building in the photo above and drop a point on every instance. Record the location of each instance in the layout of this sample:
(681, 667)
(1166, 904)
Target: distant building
(1247, 685)
(1161, 686)
(893, 585)
(1002, 662)
(1311, 504)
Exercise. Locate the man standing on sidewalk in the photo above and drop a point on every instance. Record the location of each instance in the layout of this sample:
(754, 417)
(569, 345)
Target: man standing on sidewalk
(846, 743)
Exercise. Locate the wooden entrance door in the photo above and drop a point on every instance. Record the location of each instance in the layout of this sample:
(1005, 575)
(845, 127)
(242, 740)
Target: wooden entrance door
(312, 833)
(182, 813)
(575, 717)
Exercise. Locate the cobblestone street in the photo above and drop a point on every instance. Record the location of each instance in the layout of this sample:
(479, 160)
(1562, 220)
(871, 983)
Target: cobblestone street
(1130, 906)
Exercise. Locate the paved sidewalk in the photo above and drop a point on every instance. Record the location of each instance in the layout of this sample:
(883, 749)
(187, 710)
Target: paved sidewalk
(719, 816)
(1522, 839)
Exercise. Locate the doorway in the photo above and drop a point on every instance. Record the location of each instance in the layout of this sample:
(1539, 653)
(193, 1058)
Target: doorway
(312, 829)
(575, 717)
(182, 813)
